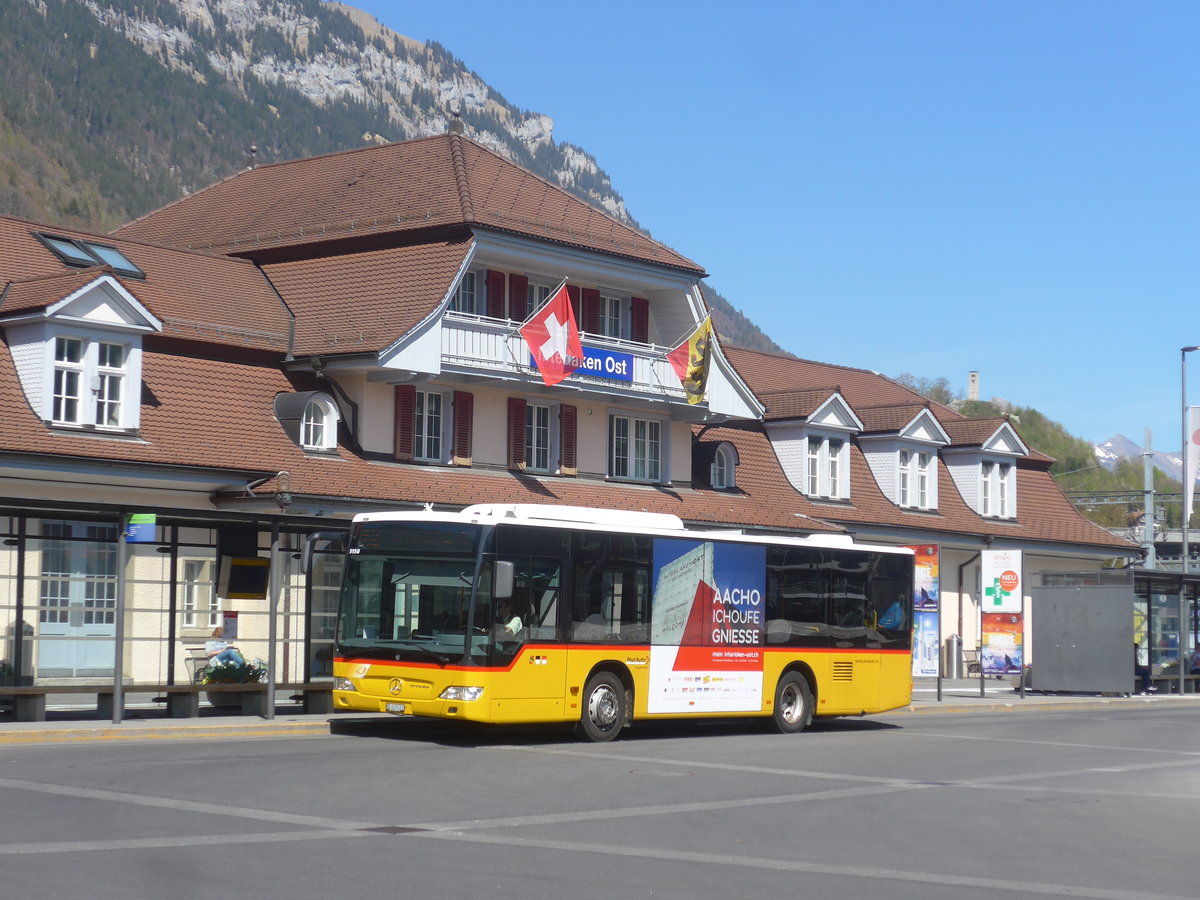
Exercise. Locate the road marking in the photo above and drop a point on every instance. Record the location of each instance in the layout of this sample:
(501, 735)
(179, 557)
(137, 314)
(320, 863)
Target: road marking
(791, 865)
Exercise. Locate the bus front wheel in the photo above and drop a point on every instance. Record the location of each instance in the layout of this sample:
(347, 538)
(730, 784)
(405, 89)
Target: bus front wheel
(603, 713)
(793, 703)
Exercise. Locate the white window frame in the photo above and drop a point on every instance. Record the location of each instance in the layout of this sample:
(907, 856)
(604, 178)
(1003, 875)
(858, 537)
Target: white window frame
(722, 475)
(637, 448)
(914, 486)
(826, 476)
(537, 294)
(430, 428)
(84, 391)
(614, 316)
(70, 367)
(318, 424)
(469, 295)
(997, 490)
(924, 470)
(110, 383)
(200, 605)
(542, 437)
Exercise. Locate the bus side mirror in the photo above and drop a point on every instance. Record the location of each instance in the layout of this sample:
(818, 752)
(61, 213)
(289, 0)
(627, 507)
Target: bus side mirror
(330, 541)
(502, 581)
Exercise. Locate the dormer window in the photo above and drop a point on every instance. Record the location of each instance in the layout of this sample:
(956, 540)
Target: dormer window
(318, 427)
(721, 471)
(996, 489)
(309, 418)
(88, 385)
(914, 480)
(825, 467)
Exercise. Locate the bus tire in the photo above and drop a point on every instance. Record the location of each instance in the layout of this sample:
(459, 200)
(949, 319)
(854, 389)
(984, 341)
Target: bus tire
(793, 703)
(603, 713)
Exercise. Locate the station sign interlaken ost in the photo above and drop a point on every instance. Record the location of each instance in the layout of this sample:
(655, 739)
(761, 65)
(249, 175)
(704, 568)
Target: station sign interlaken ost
(599, 363)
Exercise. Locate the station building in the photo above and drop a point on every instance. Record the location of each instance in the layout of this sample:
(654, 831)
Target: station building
(245, 369)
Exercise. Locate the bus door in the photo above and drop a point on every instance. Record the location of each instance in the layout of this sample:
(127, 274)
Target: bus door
(534, 679)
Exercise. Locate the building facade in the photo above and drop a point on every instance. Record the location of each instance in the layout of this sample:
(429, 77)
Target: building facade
(247, 368)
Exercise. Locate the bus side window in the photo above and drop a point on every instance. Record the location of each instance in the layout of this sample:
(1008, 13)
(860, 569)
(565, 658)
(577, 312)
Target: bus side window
(612, 598)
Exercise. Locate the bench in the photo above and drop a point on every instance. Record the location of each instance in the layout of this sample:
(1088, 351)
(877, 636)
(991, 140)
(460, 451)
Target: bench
(971, 661)
(183, 700)
(1169, 684)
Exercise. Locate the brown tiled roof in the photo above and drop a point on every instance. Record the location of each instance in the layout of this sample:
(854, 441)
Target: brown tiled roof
(363, 302)
(198, 296)
(888, 419)
(972, 432)
(441, 181)
(766, 372)
(46, 290)
(1044, 513)
(794, 404)
(219, 414)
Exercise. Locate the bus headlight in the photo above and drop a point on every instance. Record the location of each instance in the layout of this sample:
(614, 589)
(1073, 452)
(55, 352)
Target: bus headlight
(462, 692)
(343, 684)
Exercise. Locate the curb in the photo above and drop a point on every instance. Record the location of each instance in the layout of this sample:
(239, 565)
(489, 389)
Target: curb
(144, 730)
(984, 705)
(137, 732)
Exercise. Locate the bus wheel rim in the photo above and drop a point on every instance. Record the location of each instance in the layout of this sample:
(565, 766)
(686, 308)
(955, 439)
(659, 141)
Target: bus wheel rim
(602, 707)
(790, 703)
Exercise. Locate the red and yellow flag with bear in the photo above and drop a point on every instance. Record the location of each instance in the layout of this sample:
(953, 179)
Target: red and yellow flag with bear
(690, 361)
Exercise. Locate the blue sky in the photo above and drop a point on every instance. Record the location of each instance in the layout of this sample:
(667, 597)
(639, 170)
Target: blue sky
(911, 187)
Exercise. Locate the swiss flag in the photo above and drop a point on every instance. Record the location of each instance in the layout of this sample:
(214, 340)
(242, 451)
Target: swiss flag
(553, 338)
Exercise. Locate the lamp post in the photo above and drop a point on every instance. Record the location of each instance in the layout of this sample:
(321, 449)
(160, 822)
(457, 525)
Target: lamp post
(1184, 621)
(1183, 429)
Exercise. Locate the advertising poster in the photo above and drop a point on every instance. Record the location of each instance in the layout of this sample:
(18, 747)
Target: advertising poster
(1000, 572)
(229, 625)
(1003, 642)
(926, 634)
(708, 617)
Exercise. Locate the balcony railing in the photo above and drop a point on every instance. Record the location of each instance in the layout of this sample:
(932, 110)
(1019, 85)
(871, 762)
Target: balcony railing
(472, 343)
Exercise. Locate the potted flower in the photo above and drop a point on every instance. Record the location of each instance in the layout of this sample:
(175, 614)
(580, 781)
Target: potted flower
(245, 672)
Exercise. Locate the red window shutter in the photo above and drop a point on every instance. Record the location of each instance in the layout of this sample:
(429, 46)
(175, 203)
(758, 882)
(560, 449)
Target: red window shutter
(573, 293)
(495, 294)
(516, 433)
(567, 424)
(591, 311)
(406, 408)
(464, 408)
(639, 320)
(518, 297)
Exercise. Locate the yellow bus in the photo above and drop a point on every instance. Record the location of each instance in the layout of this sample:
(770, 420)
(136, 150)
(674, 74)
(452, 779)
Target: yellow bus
(534, 613)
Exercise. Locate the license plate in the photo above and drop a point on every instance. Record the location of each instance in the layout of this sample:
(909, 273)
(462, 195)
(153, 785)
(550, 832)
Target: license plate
(394, 708)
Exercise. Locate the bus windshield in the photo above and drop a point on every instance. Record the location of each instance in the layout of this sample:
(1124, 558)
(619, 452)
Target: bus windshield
(407, 591)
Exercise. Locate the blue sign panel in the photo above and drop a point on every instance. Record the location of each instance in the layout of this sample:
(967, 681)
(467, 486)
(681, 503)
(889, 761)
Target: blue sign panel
(142, 528)
(601, 364)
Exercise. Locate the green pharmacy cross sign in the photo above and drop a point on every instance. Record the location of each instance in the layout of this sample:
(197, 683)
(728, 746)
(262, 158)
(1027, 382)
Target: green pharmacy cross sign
(996, 594)
(1002, 587)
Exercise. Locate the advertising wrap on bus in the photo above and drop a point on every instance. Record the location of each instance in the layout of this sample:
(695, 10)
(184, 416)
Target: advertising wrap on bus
(706, 642)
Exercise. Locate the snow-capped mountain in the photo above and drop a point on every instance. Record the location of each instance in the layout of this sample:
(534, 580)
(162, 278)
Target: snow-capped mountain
(1119, 447)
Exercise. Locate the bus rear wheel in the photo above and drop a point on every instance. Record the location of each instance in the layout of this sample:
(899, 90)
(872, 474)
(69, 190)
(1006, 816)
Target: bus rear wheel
(793, 703)
(603, 713)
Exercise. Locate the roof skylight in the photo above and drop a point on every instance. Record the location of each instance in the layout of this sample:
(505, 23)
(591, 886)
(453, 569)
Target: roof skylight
(78, 252)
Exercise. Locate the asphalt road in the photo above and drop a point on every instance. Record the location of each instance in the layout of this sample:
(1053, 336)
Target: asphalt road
(1095, 803)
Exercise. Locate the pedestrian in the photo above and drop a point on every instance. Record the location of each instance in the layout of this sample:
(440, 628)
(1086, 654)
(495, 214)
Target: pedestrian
(1142, 672)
